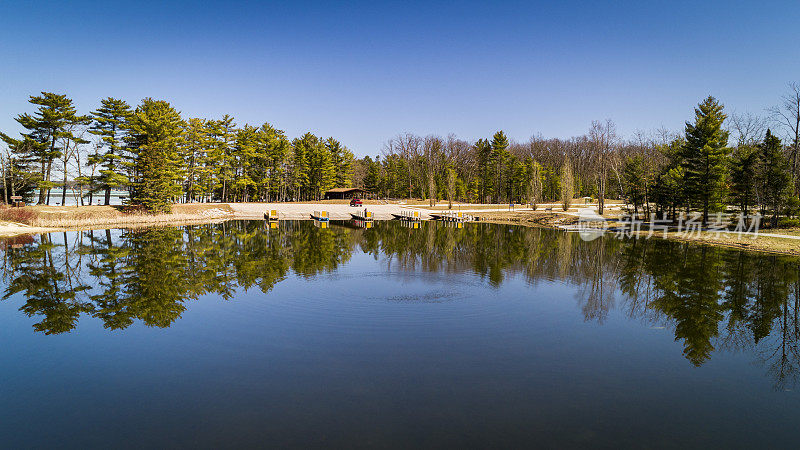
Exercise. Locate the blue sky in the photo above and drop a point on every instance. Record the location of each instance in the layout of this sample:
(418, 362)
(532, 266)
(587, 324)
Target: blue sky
(363, 72)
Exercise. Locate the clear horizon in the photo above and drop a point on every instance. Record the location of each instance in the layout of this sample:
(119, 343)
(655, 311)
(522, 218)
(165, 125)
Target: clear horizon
(363, 73)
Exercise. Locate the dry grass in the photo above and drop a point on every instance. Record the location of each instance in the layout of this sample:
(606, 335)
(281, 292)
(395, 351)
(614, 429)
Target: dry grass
(456, 206)
(91, 216)
(761, 243)
(527, 218)
(787, 231)
(17, 215)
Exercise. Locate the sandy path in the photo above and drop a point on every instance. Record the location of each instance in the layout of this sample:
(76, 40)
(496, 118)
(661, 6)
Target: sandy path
(294, 211)
(13, 229)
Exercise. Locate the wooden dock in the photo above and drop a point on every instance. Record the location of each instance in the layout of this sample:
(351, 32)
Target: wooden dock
(320, 216)
(364, 216)
(452, 216)
(408, 216)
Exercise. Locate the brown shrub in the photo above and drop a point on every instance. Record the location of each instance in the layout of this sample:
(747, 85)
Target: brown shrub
(135, 209)
(18, 215)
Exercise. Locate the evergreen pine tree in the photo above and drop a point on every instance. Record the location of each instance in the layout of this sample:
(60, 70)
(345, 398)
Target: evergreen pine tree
(321, 168)
(245, 152)
(277, 149)
(775, 176)
(705, 157)
(49, 129)
(744, 177)
(668, 190)
(342, 161)
(498, 159)
(484, 151)
(300, 164)
(196, 144)
(224, 137)
(109, 122)
(634, 177)
(372, 180)
(155, 136)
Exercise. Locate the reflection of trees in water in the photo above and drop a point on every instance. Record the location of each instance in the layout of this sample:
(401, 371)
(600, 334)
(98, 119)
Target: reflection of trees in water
(713, 298)
(49, 285)
(148, 275)
(718, 298)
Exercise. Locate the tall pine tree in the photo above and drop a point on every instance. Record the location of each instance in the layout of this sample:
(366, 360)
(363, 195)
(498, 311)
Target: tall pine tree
(484, 150)
(48, 130)
(342, 162)
(705, 157)
(744, 177)
(109, 122)
(156, 130)
(774, 176)
(499, 156)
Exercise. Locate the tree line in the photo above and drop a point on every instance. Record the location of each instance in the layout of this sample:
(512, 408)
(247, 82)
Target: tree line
(660, 172)
(161, 158)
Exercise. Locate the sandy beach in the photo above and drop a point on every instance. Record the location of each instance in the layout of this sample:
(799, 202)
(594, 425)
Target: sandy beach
(336, 211)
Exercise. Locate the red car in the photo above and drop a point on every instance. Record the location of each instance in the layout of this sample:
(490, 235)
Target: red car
(356, 202)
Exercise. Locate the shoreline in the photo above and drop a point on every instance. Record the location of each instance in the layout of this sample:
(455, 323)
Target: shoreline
(765, 242)
(57, 219)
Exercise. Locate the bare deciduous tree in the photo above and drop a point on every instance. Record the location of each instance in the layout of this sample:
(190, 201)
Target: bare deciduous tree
(451, 186)
(787, 115)
(603, 137)
(408, 146)
(749, 128)
(535, 186)
(567, 184)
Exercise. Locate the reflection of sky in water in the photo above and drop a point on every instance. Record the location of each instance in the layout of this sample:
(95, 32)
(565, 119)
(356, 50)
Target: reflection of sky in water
(430, 337)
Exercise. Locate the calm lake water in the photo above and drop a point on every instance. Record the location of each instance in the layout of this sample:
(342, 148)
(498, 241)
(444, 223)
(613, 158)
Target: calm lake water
(236, 334)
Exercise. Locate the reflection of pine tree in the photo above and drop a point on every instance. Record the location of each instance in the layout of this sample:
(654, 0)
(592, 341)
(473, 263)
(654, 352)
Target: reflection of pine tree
(771, 294)
(109, 270)
(275, 261)
(262, 257)
(157, 281)
(691, 299)
(216, 249)
(739, 274)
(634, 281)
(316, 250)
(35, 273)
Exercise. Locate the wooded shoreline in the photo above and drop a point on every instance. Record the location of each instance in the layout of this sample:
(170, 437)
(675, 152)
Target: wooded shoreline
(717, 164)
(56, 219)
